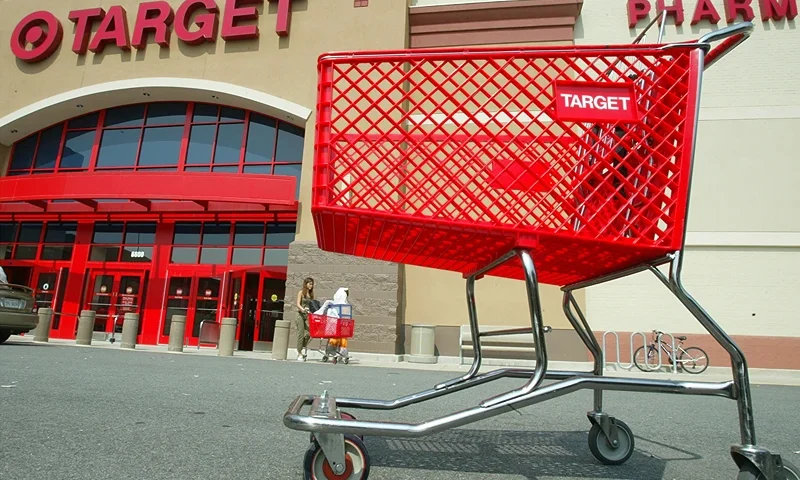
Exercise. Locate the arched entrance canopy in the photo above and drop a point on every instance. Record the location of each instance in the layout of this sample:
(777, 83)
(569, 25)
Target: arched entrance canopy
(34, 117)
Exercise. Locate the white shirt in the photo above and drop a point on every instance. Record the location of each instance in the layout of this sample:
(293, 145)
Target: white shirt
(3, 277)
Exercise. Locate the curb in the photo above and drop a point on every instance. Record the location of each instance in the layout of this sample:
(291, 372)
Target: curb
(758, 376)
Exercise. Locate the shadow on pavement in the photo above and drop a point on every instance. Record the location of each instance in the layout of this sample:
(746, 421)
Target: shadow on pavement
(529, 454)
(12, 342)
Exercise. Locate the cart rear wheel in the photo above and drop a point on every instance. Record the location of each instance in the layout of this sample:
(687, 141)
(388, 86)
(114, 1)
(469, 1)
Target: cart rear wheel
(748, 471)
(346, 360)
(604, 451)
(356, 458)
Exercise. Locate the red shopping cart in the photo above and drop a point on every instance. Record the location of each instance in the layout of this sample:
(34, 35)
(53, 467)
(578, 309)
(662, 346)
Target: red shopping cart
(331, 330)
(565, 165)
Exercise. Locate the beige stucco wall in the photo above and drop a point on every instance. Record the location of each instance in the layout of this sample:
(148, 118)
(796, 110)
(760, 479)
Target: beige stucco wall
(743, 250)
(283, 67)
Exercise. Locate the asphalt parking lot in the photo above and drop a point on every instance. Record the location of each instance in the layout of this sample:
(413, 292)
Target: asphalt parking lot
(73, 412)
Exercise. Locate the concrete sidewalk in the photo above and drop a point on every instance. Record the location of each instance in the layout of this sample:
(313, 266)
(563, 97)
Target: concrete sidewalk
(758, 376)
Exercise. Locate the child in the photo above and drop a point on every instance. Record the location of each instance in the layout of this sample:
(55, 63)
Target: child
(336, 344)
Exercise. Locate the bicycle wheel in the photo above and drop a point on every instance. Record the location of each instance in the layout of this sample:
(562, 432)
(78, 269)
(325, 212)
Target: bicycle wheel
(694, 360)
(645, 362)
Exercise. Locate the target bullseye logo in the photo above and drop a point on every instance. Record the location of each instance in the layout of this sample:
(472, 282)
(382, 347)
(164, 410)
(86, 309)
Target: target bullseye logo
(42, 32)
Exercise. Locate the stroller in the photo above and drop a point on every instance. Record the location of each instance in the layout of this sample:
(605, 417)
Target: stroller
(333, 323)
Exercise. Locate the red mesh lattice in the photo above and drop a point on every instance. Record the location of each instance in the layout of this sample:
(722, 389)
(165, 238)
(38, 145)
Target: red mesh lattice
(448, 159)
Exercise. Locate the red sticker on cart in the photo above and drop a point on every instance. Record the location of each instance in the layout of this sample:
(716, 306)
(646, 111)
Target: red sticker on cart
(588, 101)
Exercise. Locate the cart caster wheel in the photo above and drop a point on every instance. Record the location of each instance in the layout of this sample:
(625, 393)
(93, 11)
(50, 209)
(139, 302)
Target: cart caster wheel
(350, 416)
(347, 360)
(324, 359)
(748, 471)
(356, 458)
(609, 454)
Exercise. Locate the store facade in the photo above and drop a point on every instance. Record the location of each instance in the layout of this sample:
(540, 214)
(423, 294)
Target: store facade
(152, 156)
(156, 157)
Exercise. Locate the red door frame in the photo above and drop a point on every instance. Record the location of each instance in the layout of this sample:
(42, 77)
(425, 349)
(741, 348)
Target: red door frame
(263, 274)
(116, 309)
(195, 273)
(72, 290)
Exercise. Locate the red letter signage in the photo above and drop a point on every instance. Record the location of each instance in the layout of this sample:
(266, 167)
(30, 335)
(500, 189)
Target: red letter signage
(285, 17)
(705, 11)
(637, 10)
(675, 11)
(155, 17)
(778, 9)
(194, 22)
(208, 22)
(83, 27)
(595, 101)
(233, 13)
(113, 29)
(42, 31)
(734, 8)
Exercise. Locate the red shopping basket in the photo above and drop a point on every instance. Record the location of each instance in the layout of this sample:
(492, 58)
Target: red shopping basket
(450, 158)
(323, 326)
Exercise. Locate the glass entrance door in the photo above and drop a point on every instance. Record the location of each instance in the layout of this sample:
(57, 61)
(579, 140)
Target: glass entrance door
(45, 284)
(48, 285)
(112, 295)
(273, 291)
(196, 297)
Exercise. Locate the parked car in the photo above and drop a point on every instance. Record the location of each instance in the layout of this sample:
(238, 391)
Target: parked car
(17, 310)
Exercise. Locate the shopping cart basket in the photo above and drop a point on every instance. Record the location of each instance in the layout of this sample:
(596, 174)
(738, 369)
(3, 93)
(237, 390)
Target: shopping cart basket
(327, 327)
(566, 165)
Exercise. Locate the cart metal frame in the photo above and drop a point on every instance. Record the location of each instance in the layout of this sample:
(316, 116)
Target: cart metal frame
(328, 426)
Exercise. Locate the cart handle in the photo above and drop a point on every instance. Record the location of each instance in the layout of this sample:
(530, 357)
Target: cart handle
(731, 37)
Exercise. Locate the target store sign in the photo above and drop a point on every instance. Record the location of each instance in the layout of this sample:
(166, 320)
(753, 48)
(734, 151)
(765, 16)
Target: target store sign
(38, 35)
(601, 102)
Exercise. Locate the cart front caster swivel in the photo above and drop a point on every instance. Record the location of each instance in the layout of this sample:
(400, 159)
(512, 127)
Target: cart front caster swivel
(759, 464)
(614, 446)
(356, 459)
(748, 471)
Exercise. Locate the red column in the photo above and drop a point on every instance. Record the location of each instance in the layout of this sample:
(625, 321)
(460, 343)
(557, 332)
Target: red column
(73, 290)
(152, 312)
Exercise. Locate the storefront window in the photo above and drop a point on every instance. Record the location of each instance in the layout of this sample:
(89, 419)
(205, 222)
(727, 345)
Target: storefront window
(290, 144)
(21, 241)
(30, 234)
(260, 140)
(216, 234)
(47, 153)
(161, 146)
(245, 243)
(229, 144)
(78, 150)
(151, 137)
(84, 122)
(249, 234)
(123, 242)
(172, 113)
(127, 116)
(118, 148)
(24, 151)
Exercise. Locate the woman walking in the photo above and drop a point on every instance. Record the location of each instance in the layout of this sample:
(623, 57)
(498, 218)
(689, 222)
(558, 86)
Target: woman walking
(304, 298)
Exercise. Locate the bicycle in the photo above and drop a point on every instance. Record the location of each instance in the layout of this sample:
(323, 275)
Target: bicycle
(693, 360)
